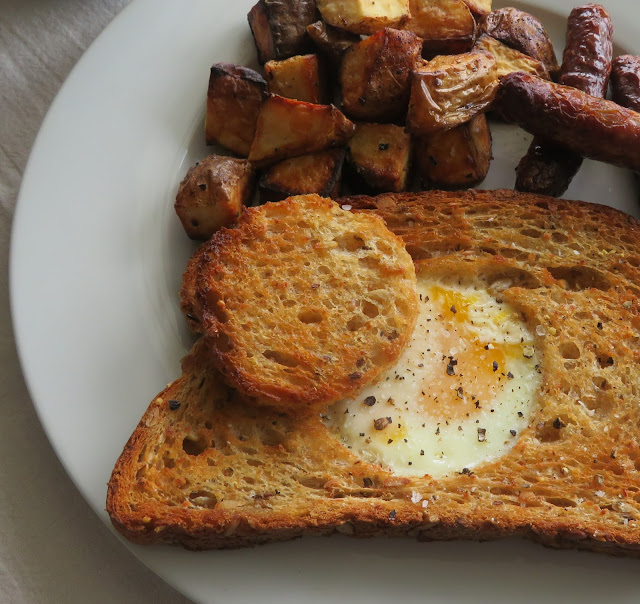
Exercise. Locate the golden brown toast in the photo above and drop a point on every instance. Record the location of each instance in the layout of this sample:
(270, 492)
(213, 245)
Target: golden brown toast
(306, 302)
(206, 468)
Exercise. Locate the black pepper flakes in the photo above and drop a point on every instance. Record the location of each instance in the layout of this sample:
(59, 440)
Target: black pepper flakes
(495, 366)
(356, 375)
(370, 401)
(482, 435)
(599, 325)
(381, 423)
(510, 375)
(392, 515)
(512, 432)
(383, 146)
(367, 482)
(558, 423)
(174, 405)
(203, 187)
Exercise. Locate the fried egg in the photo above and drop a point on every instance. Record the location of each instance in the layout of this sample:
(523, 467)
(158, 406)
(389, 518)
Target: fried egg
(460, 394)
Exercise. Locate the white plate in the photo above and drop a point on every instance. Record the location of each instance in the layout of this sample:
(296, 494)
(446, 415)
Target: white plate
(97, 256)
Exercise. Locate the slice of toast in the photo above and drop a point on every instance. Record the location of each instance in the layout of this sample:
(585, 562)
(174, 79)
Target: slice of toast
(206, 468)
(306, 302)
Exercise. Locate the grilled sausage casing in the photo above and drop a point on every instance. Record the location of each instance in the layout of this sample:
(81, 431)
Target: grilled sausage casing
(592, 127)
(625, 81)
(548, 168)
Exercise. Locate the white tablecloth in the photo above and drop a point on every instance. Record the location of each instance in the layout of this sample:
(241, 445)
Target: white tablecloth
(53, 548)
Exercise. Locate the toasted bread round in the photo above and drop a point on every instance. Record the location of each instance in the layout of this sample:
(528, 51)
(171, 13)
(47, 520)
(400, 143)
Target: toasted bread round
(308, 302)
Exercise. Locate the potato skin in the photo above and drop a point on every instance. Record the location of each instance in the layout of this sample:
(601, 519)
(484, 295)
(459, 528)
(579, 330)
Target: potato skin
(450, 90)
(375, 75)
(331, 41)
(279, 27)
(521, 31)
(509, 59)
(234, 97)
(592, 127)
(458, 158)
(212, 194)
(625, 81)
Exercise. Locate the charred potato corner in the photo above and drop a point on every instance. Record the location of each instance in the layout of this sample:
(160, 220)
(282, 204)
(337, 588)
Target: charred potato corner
(373, 96)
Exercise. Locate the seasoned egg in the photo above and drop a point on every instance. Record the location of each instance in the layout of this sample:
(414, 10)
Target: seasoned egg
(460, 394)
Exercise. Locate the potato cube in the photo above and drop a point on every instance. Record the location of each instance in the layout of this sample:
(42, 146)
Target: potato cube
(300, 77)
(279, 27)
(380, 156)
(479, 7)
(212, 194)
(456, 158)
(313, 173)
(508, 59)
(288, 128)
(450, 90)
(233, 101)
(331, 41)
(446, 26)
(364, 16)
(375, 77)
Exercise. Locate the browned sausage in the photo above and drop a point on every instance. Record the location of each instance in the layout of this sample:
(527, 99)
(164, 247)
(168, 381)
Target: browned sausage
(547, 168)
(586, 62)
(592, 127)
(625, 81)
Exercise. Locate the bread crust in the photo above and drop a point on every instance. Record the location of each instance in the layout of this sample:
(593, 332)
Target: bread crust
(216, 471)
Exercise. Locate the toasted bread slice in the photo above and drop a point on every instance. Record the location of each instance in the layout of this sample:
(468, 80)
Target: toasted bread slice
(206, 468)
(306, 301)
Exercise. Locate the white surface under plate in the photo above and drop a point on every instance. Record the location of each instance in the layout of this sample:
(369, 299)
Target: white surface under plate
(97, 257)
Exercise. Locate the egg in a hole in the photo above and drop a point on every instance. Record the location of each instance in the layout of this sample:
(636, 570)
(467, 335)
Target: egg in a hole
(460, 394)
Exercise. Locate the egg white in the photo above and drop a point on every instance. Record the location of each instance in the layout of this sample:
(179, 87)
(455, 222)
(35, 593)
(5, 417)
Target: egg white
(460, 394)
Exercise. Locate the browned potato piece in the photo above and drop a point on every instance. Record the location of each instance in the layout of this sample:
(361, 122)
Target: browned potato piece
(364, 16)
(279, 27)
(380, 155)
(212, 194)
(300, 77)
(509, 59)
(288, 128)
(457, 158)
(450, 90)
(331, 41)
(523, 32)
(313, 173)
(233, 101)
(446, 26)
(375, 75)
(479, 7)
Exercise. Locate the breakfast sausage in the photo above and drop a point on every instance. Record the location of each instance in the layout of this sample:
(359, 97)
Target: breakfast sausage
(625, 81)
(586, 65)
(592, 127)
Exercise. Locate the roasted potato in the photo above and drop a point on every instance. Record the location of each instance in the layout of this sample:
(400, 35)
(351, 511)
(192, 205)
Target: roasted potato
(234, 97)
(300, 77)
(479, 7)
(212, 194)
(331, 41)
(375, 75)
(313, 173)
(523, 32)
(450, 90)
(279, 27)
(509, 59)
(364, 16)
(445, 26)
(288, 128)
(379, 154)
(457, 158)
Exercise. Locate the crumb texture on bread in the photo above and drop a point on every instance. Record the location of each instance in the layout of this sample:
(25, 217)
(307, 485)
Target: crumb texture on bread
(307, 302)
(211, 469)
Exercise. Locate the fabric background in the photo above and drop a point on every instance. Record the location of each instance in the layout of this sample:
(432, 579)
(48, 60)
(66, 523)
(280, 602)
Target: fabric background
(53, 548)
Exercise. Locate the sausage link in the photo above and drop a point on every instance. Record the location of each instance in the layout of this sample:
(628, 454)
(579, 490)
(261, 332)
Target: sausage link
(547, 168)
(586, 62)
(625, 81)
(592, 127)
